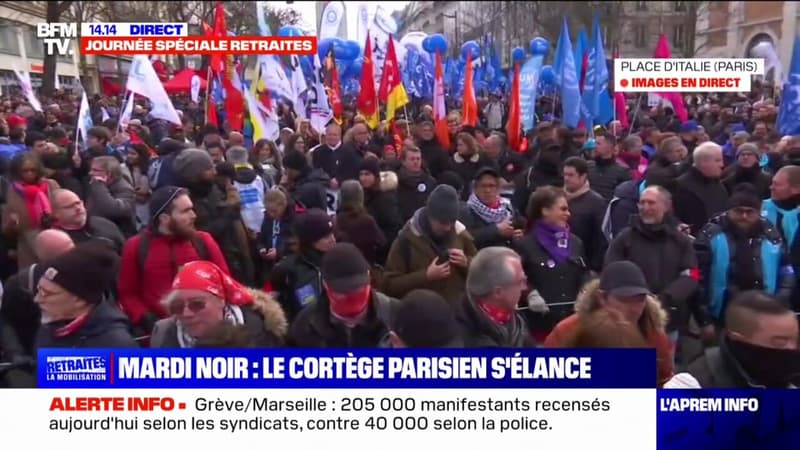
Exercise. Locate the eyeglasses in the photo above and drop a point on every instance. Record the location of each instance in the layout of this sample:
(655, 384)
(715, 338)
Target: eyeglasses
(195, 305)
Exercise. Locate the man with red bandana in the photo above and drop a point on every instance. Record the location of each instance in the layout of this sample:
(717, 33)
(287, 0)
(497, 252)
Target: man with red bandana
(494, 286)
(349, 313)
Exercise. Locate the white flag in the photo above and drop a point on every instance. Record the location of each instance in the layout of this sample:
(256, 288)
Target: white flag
(274, 77)
(381, 30)
(195, 85)
(267, 121)
(142, 79)
(84, 121)
(319, 108)
(127, 110)
(331, 20)
(362, 22)
(27, 89)
(299, 88)
(105, 115)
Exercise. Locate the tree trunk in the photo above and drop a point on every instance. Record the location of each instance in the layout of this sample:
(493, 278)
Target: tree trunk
(48, 77)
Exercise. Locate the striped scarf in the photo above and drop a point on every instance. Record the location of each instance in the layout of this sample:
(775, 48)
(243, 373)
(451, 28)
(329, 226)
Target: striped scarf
(488, 214)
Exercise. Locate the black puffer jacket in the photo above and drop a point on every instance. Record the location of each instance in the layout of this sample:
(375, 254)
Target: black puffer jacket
(605, 175)
(412, 191)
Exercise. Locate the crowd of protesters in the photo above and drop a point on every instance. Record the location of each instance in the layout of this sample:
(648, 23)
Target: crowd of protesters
(660, 234)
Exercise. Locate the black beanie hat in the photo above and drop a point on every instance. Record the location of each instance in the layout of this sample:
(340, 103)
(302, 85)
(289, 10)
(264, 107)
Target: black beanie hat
(344, 268)
(312, 226)
(296, 161)
(443, 204)
(160, 202)
(744, 195)
(371, 165)
(87, 271)
(424, 319)
(453, 179)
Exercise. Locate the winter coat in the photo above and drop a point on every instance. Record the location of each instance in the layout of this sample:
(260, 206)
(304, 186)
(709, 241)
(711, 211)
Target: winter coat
(105, 327)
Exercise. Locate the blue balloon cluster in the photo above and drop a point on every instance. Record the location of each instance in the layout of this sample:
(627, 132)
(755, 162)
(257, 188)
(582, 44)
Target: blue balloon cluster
(435, 43)
(518, 54)
(290, 31)
(540, 46)
(472, 48)
(547, 76)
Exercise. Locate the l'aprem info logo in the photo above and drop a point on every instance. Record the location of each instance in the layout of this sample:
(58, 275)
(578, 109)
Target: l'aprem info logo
(56, 37)
(76, 368)
(685, 75)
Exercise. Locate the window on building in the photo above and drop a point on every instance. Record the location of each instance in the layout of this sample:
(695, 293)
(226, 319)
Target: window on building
(641, 6)
(678, 37)
(8, 40)
(34, 48)
(680, 6)
(639, 36)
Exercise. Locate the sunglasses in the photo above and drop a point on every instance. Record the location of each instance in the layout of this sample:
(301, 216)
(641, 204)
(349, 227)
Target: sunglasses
(195, 305)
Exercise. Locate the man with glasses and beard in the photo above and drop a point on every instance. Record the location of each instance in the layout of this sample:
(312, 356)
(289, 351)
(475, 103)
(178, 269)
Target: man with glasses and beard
(151, 259)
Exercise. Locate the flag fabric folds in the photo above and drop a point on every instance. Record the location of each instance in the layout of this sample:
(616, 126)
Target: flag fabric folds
(439, 109)
(367, 102)
(334, 90)
(789, 112)
(142, 80)
(391, 90)
(567, 76)
(514, 125)
(663, 51)
(469, 109)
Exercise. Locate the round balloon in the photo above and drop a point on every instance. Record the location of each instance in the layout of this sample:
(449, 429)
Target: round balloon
(435, 43)
(348, 51)
(289, 31)
(547, 76)
(338, 47)
(324, 46)
(472, 48)
(355, 67)
(540, 46)
(518, 54)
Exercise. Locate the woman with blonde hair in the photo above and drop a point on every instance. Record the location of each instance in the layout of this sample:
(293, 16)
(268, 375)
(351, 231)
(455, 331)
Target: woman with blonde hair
(467, 160)
(622, 293)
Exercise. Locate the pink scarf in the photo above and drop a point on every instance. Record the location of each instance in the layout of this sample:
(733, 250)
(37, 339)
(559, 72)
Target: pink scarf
(37, 200)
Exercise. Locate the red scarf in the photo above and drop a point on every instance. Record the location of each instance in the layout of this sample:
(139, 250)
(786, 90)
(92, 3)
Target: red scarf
(37, 200)
(499, 315)
(351, 305)
(70, 328)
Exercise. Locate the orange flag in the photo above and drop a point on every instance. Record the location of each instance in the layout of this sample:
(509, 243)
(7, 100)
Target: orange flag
(469, 109)
(392, 91)
(514, 124)
(439, 108)
(334, 91)
(367, 102)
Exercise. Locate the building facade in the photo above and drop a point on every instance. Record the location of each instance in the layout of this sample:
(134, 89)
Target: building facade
(21, 50)
(643, 22)
(731, 29)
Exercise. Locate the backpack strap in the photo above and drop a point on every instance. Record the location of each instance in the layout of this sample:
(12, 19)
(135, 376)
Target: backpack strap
(201, 248)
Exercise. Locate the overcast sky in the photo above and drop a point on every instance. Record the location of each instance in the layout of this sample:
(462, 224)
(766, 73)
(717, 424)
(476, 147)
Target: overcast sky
(307, 10)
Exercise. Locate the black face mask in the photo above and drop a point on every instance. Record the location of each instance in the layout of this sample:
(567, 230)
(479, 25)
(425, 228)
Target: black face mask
(770, 367)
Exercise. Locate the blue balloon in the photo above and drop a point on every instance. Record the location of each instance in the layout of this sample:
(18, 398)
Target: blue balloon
(348, 51)
(540, 46)
(518, 54)
(472, 48)
(547, 76)
(324, 46)
(289, 31)
(355, 68)
(435, 43)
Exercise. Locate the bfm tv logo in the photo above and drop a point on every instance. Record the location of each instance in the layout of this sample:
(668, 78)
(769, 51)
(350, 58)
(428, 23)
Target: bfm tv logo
(57, 37)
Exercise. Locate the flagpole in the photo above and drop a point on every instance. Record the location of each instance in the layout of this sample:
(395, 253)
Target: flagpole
(635, 113)
(208, 91)
(119, 116)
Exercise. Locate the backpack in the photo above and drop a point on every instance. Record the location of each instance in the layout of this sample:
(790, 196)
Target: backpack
(144, 246)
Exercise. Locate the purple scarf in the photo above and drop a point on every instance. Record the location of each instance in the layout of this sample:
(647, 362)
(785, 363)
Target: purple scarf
(554, 239)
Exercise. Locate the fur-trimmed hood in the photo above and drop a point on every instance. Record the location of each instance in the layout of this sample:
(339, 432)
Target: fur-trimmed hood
(388, 181)
(270, 310)
(587, 305)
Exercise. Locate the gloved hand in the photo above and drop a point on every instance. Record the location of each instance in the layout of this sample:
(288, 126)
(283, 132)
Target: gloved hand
(536, 303)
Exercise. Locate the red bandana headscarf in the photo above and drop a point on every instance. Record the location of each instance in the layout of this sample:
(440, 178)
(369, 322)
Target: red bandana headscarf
(207, 277)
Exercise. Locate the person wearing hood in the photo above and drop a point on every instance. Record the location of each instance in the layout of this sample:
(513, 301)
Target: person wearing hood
(739, 250)
(251, 188)
(349, 313)
(434, 156)
(70, 296)
(488, 316)
(202, 296)
(699, 193)
(307, 187)
(622, 288)
(747, 170)
(491, 219)
(380, 198)
(296, 278)
(432, 251)
(758, 348)
(605, 171)
(545, 171)
(218, 212)
(414, 184)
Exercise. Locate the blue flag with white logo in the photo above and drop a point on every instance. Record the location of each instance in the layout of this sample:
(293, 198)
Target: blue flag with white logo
(595, 88)
(789, 113)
